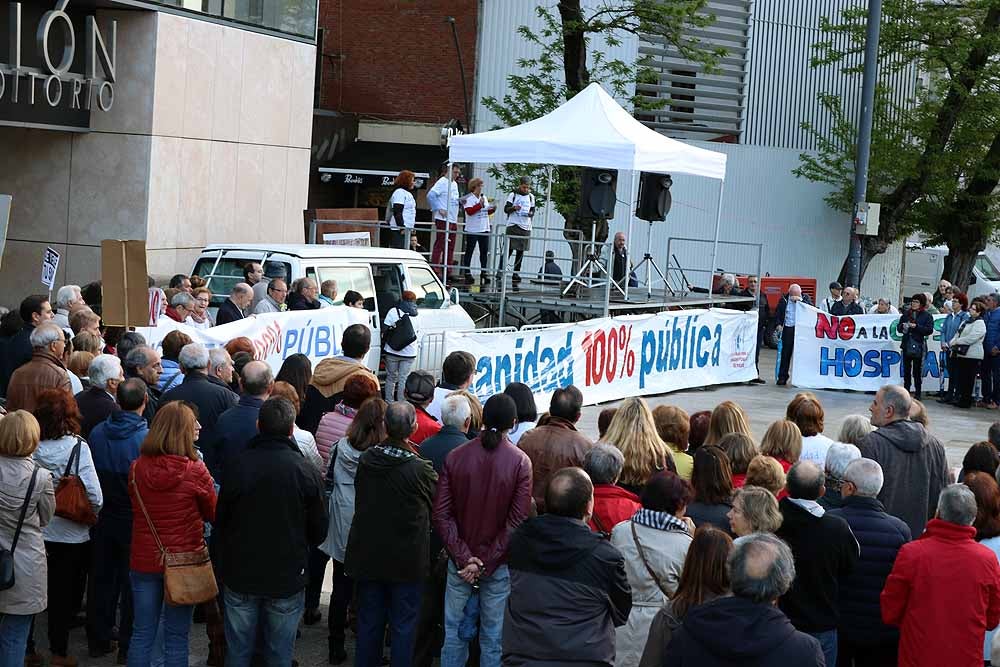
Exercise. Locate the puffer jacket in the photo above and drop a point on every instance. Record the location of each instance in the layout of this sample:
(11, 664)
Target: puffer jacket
(332, 427)
(171, 375)
(340, 478)
(880, 537)
(326, 389)
(179, 495)
(29, 595)
(665, 551)
(612, 505)
(53, 455)
(115, 444)
(992, 319)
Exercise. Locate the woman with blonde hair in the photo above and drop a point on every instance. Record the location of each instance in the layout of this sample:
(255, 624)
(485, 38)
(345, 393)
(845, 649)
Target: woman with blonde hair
(172, 497)
(755, 510)
(741, 449)
(765, 472)
(782, 441)
(633, 432)
(23, 483)
(727, 417)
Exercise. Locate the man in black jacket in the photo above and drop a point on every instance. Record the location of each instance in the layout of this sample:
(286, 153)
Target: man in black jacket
(568, 587)
(236, 306)
(848, 304)
(786, 315)
(271, 512)
(34, 310)
(825, 552)
(388, 548)
(144, 362)
(210, 394)
(747, 628)
(861, 635)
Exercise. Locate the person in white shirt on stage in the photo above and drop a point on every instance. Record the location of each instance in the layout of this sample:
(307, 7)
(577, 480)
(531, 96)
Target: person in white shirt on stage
(443, 202)
(520, 208)
(478, 210)
(401, 213)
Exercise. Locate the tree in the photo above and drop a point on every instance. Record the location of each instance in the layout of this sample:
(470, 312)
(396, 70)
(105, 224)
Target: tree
(935, 159)
(561, 70)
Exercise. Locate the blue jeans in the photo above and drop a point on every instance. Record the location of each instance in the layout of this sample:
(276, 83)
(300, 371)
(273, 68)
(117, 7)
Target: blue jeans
(14, 630)
(828, 643)
(279, 619)
(148, 606)
(493, 592)
(377, 603)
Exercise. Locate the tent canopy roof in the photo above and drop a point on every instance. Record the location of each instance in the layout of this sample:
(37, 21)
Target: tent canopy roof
(589, 130)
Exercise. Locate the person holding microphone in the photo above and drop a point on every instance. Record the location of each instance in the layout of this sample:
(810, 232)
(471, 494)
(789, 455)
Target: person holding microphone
(478, 210)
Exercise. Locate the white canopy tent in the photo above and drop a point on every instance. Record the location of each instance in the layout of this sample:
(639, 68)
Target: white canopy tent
(593, 130)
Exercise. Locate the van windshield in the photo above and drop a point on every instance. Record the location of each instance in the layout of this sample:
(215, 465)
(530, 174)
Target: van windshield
(986, 268)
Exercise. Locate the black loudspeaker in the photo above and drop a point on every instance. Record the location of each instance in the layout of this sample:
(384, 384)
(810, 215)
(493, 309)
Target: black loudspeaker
(654, 197)
(597, 194)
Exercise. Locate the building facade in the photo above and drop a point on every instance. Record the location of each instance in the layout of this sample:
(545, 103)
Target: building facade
(203, 132)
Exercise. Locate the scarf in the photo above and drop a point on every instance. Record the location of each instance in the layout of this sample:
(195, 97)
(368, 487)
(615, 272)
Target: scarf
(658, 520)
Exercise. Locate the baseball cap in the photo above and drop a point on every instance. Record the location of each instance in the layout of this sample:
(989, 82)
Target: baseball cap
(419, 386)
(836, 285)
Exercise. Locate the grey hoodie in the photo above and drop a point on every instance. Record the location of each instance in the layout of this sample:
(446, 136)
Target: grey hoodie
(915, 468)
(343, 469)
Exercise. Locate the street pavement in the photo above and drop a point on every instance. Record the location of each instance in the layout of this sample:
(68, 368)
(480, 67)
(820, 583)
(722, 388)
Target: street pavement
(957, 430)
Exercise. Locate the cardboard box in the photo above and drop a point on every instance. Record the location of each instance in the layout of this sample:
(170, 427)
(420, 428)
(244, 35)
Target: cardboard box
(124, 283)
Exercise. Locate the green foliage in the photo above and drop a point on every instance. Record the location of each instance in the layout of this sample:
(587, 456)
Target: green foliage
(540, 85)
(927, 152)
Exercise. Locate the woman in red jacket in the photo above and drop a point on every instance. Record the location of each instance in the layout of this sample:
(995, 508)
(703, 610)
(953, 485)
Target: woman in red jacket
(179, 495)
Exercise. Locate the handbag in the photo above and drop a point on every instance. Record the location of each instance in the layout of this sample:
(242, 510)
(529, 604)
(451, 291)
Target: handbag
(400, 334)
(7, 555)
(72, 502)
(188, 577)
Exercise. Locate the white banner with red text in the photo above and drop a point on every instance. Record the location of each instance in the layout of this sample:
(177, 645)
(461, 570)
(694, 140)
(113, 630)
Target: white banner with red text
(612, 358)
(275, 336)
(858, 352)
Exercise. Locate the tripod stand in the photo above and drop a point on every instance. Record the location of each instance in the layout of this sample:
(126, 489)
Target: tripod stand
(650, 264)
(592, 263)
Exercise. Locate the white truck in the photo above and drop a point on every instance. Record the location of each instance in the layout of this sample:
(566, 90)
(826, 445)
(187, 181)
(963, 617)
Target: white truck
(923, 268)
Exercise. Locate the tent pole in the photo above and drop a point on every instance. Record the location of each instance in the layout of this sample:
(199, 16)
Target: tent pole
(715, 247)
(548, 209)
(447, 228)
(628, 238)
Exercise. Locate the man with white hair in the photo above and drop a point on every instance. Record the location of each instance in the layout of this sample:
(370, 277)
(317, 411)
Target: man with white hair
(237, 306)
(913, 460)
(44, 371)
(181, 306)
(67, 297)
(209, 394)
(456, 417)
(220, 366)
(785, 316)
(861, 636)
(944, 589)
(838, 457)
(747, 627)
(848, 304)
(98, 401)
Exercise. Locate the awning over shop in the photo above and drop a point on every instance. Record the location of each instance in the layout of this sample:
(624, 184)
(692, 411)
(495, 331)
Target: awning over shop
(376, 164)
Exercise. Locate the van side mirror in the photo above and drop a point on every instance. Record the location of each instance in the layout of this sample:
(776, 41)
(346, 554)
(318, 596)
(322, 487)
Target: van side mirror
(453, 295)
(972, 279)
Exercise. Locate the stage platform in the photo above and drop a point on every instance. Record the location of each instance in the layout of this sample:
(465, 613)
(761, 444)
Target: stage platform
(523, 303)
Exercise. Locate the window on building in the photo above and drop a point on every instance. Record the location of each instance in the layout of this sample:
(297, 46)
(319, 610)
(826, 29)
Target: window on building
(676, 96)
(294, 17)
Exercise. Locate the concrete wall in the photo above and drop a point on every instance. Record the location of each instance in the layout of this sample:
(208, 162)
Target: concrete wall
(208, 140)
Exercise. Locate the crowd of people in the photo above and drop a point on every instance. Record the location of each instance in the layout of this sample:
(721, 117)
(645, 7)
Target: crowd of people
(469, 530)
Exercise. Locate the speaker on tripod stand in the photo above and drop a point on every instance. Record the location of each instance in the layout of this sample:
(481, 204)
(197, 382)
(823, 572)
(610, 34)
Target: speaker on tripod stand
(598, 196)
(652, 206)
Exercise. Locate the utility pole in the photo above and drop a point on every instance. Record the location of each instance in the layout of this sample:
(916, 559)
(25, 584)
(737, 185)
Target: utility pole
(853, 276)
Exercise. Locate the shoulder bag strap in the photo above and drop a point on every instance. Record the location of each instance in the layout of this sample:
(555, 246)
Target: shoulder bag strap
(24, 510)
(642, 555)
(74, 455)
(142, 506)
(600, 526)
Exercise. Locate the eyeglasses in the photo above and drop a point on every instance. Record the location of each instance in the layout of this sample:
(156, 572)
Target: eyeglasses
(279, 291)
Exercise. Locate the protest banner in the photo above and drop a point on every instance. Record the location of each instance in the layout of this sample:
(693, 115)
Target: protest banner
(611, 358)
(275, 336)
(859, 352)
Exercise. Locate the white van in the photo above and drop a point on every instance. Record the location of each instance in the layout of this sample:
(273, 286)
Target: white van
(925, 266)
(380, 275)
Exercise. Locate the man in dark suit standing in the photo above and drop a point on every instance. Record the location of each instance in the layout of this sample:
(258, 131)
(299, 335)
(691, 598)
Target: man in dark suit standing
(235, 307)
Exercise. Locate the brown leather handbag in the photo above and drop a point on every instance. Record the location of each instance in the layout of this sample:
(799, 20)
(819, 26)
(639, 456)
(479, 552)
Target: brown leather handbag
(72, 501)
(188, 577)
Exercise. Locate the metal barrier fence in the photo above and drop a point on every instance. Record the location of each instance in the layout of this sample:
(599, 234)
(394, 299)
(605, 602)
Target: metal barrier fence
(433, 348)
